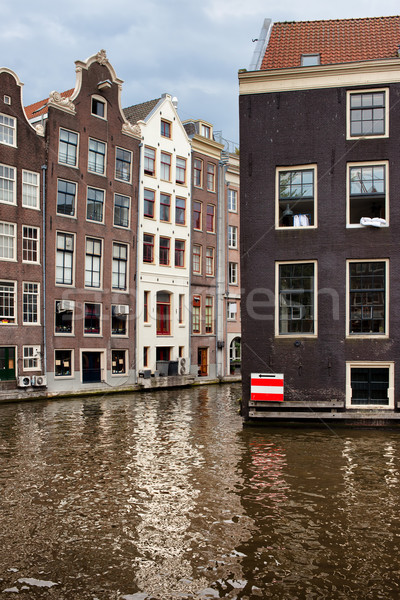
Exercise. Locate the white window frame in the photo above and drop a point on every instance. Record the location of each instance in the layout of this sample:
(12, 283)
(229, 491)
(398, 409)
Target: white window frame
(7, 127)
(199, 254)
(125, 373)
(349, 93)
(74, 215)
(96, 154)
(33, 186)
(279, 170)
(72, 358)
(3, 318)
(232, 237)
(72, 310)
(232, 200)
(103, 102)
(371, 163)
(71, 235)
(232, 273)
(96, 335)
(35, 356)
(96, 189)
(13, 186)
(124, 179)
(12, 237)
(119, 335)
(38, 308)
(129, 211)
(101, 241)
(297, 335)
(35, 262)
(74, 165)
(375, 336)
(231, 314)
(370, 365)
(120, 261)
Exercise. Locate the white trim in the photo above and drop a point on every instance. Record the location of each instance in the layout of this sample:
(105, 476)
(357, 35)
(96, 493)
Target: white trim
(311, 167)
(72, 366)
(367, 91)
(102, 101)
(370, 163)
(370, 365)
(76, 165)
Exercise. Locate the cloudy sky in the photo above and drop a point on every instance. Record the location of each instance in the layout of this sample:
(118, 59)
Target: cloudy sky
(191, 49)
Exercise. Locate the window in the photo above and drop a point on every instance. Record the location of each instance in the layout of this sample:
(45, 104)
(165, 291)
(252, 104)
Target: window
(165, 166)
(211, 177)
(180, 170)
(118, 362)
(146, 356)
(8, 303)
(93, 263)
(163, 313)
(30, 189)
(95, 205)
(148, 248)
(164, 250)
(119, 266)
(119, 319)
(123, 161)
(165, 128)
(121, 210)
(7, 185)
(146, 306)
(232, 311)
(370, 385)
(367, 113)
(97, 156)
(98, 107)
(8, 130)
(32, 358)
(210, 261)
(92, 319)
(233, 273)
(30, 244)
(198, 172)
(367, 298)
(196, 259)
(232, 200)
(196, 318)
(232, 236)
(149, 203)
(181, 308)
(180, 211)
(210, 221)
(7, 99)
(30, 303)
(149, 161)
(165, 205)
(367, 195)
(62, 363)
(209, 307)
(64, 317)
(66, 197)
(64, 258)
(206, 131)
(197, 215)
(68, 148)
(297, 301)
(296, 197)
(309, 60)
(8, 241)
(179, 253)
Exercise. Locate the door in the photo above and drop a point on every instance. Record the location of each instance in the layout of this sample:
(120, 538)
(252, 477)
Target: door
(91, 367)
(202, 361)
(7, 363)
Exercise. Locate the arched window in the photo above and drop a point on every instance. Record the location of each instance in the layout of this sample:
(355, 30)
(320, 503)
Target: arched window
(235, 349)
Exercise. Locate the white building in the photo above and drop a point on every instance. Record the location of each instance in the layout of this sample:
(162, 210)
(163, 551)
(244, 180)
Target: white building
(163, 239)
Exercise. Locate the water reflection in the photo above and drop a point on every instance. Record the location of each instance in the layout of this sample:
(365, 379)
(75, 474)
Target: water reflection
(165, 496)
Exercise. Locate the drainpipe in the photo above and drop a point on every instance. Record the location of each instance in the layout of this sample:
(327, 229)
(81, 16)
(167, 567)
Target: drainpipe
(44, 169)
(221, 259)
(137, 262)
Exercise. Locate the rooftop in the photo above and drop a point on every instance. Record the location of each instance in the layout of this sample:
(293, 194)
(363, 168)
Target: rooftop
(138, 112)
(336, 41)
(41, 108)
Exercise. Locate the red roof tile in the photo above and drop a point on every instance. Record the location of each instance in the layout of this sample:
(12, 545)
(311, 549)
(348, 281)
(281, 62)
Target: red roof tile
(40, 108)
(337, 41)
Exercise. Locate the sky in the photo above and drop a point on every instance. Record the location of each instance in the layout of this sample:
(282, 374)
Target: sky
(191, 49)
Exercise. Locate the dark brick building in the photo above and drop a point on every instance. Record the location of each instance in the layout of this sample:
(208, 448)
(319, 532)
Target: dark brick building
(320, 221)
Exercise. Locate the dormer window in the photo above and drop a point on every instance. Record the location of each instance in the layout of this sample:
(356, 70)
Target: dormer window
(98, 107)
(310, 60)
(206, 131)
(7, 100)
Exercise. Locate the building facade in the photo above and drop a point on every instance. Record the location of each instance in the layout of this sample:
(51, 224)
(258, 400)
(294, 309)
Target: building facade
(320, 221)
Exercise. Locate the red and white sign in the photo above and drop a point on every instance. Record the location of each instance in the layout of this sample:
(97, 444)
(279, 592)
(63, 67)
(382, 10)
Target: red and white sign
(266, 387)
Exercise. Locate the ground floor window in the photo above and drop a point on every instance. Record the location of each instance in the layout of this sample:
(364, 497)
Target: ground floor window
(163, 353)
(118, 362)
(297, 302)
(370, 385)
(62, 363)
(32, 360)
(7, 363)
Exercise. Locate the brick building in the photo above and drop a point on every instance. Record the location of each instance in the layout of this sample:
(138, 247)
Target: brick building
(319, 125)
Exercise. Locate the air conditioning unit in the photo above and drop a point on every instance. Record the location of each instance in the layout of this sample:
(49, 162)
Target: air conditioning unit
(182, 366)
(65, 305)
(39, 380)
(24, 381)
(121, 309)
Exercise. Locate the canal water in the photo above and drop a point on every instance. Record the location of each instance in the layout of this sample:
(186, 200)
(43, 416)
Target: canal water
(164, 495)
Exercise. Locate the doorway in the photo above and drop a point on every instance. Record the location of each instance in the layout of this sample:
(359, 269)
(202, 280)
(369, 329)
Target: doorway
(7, 363)
(91, 367)
(202, 361)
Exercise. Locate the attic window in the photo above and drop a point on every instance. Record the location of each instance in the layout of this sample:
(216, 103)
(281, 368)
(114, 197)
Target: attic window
(7, 100)
(309, 60)
(98, 107)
